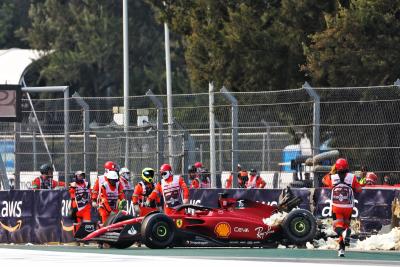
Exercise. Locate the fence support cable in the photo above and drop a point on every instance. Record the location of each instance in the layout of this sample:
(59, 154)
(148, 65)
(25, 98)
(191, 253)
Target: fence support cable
(65, 90)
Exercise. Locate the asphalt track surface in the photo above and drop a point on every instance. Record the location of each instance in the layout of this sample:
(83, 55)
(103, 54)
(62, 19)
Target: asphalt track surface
(255, 255)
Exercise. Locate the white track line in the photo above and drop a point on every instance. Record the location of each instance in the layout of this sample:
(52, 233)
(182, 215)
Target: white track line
(30, 258)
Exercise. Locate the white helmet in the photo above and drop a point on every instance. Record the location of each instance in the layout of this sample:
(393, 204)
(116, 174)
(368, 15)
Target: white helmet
(124, 170)
(112, 175)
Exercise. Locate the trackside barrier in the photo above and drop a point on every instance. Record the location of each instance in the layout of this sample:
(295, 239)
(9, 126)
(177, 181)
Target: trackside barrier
(41, 216)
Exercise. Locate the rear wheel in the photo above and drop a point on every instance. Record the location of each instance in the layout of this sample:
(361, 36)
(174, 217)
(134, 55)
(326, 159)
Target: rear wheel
(299, 226)
(157, 231)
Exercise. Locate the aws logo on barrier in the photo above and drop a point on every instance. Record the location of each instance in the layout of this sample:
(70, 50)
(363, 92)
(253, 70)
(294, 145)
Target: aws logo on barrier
(327, 211)
(11, 209)
(65, 207)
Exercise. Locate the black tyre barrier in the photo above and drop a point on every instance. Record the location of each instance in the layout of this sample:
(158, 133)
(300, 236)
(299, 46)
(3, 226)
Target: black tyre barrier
(302, 184)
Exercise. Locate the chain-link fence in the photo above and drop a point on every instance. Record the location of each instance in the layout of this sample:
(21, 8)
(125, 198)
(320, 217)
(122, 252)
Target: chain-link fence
(362, 123)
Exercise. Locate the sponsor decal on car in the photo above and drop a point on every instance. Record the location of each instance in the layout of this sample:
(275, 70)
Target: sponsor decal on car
(89, 228)
(223, 230)
(240, 229)
(132, 231)
(179, 223)
(197, 243)
(263, 232)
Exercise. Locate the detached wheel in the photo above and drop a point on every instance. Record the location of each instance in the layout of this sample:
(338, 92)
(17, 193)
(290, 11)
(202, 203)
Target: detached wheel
(299, 226)
(157, 231)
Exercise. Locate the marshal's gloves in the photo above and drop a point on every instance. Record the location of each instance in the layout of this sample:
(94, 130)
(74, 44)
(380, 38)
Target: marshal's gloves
(122, 204)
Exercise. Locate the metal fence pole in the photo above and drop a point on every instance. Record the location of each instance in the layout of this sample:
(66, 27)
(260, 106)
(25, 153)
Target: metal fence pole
(234, 118)
(268, 148)
(169, 95)
(212, 137)
(17, 160)
(66, 136)
(160, 133)
(126, 76)
(316, 116)
(86, 121)
(219, 145)
(3, 175)
(34, 148)
(201, 153)
(190, 143)
(263, 152)
(183, 163)
(267, 142)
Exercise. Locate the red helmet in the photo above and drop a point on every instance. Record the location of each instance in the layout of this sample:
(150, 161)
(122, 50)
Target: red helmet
(165, 167)
(341, 165)
(198, 165)
(109, 165)
(371, 178)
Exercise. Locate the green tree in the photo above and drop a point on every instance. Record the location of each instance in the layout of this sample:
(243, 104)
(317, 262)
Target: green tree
(245, 45)
(84, 44)
(13, 16)
(360, 46)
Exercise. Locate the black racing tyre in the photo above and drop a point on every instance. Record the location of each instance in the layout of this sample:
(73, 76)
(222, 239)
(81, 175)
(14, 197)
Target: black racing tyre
(157, 231)
(125, 243)
(302, 184)
(299, 226)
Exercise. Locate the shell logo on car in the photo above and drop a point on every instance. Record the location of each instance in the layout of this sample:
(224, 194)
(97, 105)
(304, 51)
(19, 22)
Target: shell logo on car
(222, 229)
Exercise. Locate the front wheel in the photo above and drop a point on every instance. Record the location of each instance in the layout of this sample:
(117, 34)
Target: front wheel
(157, 231)
(299, 226)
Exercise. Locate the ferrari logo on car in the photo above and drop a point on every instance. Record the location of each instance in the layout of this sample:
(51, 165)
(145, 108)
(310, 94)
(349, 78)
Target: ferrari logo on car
(179, 223)
(12, 228)
(222, 229)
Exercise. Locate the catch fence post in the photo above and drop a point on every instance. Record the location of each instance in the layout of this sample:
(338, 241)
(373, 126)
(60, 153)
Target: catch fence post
(234, 122)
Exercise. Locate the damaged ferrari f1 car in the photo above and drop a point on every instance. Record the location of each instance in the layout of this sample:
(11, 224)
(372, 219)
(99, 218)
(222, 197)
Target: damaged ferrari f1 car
(235, 223)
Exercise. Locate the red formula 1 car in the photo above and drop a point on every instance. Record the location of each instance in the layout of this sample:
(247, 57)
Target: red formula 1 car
(235, 223)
